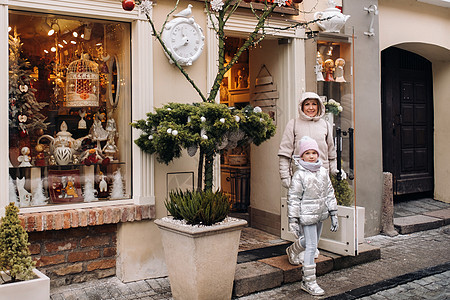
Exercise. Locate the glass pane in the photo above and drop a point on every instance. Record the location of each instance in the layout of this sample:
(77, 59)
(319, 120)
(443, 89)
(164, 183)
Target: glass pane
(69, 99)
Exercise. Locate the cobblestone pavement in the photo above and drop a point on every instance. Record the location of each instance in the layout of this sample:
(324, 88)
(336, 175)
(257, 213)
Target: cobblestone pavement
(400, 255)
(435, 287)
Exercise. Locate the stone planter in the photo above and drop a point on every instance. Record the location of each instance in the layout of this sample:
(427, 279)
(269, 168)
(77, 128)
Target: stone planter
(36, 289)
(201, 260)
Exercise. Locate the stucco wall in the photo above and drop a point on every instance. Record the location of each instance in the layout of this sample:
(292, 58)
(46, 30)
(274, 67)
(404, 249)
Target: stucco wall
(423, 29)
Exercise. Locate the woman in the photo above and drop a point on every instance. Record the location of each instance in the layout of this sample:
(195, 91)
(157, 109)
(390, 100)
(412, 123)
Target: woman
(309, 123)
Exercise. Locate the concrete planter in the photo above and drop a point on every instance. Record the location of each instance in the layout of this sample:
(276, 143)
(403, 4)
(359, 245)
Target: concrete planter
(201, 260)
(36, 289)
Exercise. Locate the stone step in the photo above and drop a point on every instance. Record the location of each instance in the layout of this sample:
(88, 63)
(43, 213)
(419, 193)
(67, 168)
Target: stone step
(425, 221)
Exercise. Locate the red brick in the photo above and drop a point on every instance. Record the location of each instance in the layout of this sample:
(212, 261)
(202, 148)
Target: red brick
(74, 216)
(31, 222)
(101, 264)
(138, 216)
(39, 223)
(109, 252)
(83, 215)
(83, 255)
(92, 217)
(23, 221)
(35, 248)
(93, 241)
(58, 218)
(49, 221)
(100, 215)
(60, 246)
(117, 214)
(145, 212)
(124, 214)
(108, 215)
(50, 260)
(131, 213)
(66, 220)
(69, 269)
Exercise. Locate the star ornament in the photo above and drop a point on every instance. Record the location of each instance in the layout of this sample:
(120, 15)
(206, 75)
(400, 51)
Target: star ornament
(217, 5)
(281, 2)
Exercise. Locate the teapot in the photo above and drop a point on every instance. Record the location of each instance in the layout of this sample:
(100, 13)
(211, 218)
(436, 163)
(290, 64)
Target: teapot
(336, 19)
(63, 145)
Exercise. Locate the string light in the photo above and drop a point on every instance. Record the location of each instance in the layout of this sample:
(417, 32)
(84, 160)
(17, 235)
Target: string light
(75, 34)
(53, 49)
(65, 42)
(46, 51)
(73, 42)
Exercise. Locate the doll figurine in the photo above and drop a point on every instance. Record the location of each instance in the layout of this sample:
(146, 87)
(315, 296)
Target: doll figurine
(329, 69)
(318, 68)
(339, 72)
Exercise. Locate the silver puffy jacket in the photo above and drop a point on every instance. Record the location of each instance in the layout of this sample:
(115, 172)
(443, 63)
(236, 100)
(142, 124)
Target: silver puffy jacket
(311, 196)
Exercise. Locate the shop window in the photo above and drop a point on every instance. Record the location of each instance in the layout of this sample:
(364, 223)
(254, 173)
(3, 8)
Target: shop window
(69, 109)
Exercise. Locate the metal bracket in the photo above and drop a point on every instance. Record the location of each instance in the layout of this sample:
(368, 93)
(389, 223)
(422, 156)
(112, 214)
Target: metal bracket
(371, 9)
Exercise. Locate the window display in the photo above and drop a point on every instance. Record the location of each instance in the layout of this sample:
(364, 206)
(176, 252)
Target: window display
(69, 98)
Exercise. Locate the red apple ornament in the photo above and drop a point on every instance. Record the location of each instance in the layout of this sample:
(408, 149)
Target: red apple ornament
(128, 5)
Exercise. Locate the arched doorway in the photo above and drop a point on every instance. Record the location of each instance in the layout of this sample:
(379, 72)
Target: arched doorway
(407, 112)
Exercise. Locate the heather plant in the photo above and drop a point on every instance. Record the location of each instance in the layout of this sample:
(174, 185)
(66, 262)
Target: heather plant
(15, 258)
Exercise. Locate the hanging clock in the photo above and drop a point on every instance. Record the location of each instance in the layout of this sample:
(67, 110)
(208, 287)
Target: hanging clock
(184, 38)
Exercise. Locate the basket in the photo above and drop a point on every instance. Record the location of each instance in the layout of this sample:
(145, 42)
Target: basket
(237, 159)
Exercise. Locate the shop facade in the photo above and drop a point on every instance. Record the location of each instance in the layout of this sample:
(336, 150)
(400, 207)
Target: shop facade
(95, 235)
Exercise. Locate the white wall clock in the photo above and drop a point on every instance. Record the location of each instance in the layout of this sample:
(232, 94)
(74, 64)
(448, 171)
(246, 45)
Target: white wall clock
(184, 39)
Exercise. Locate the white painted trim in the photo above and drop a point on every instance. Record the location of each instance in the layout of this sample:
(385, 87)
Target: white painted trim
(59, 207)
(102, 9)
(4, 104)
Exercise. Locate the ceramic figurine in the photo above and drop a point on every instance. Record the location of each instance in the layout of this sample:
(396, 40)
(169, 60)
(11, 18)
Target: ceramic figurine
(339, 72)
(25, 158)
(82, 122)
(103, 186)
(329, 69)
(97, 132)
(24, 195)
(318, 68)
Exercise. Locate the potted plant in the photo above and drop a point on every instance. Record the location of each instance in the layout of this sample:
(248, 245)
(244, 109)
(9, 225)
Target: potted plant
(18, 277)
(200, 241)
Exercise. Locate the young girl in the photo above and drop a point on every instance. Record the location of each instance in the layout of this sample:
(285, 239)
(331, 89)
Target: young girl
(310, 201)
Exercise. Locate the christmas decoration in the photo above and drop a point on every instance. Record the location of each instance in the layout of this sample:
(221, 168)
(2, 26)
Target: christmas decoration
(24, 109)
(15, 258)
(117, 191)
(38, 195)
(25, 158)
(89, 193)
(12, 192)
(24, 195)
(128, 5)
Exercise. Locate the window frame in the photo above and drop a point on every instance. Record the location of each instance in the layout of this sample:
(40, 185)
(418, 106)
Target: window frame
(142, 165)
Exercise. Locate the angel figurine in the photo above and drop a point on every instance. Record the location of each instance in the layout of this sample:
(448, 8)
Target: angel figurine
(318, 68)
(339, 72)
(25, 158)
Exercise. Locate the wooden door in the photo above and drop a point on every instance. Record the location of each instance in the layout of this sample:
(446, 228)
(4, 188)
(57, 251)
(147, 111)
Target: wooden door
(407, 103)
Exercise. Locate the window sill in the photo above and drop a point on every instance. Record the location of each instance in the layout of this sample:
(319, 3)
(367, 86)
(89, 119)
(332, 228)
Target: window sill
(82, 217)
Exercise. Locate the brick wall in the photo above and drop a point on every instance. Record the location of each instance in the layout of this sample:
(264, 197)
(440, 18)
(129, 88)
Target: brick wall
(78, 245)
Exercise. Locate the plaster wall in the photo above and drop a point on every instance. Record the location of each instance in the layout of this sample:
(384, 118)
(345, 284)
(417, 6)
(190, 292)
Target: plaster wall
(368, 181)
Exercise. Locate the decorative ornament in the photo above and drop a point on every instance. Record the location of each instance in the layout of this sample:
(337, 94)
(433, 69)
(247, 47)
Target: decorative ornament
(280, 2)
(82, 83)
(202, 119)
(146, 6)
(38, 195)
(25, 158)
(23, 88)
(150, 137)
(117, 191)
(24, 195)
(169, 130)
(216, 5)
(103, 186)
(169, 109)
(23, 133)
(128, 5)
(237, 118)
(189, 119)
(222, 120)
(257, 109)
(12, 192)
(89, 193)
(339, 70)
(39, 131)
(82, 122)
(22, 118)
(205, 137)
(174, 132)
(333, 19)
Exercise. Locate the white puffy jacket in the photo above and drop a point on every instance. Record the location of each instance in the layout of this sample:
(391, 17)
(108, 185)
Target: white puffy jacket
(311, 196)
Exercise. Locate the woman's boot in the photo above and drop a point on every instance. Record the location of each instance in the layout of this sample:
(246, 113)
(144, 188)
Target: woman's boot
(293, 252)
(309, 283)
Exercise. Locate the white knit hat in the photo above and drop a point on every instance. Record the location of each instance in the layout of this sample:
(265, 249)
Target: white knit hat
(308, 143)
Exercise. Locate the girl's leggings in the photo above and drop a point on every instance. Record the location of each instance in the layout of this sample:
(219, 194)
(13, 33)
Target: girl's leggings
(310, 240)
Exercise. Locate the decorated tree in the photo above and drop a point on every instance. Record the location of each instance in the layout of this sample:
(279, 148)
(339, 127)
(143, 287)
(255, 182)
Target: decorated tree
(24, 109)
(15, 259)
(207, 126)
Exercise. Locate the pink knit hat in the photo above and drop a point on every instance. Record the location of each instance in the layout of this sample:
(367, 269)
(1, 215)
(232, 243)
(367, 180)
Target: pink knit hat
(307, 143)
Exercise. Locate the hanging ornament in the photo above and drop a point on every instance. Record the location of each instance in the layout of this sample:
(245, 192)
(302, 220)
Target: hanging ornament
(191, 150)
(23, 133)
(39, 131)
(222, 120)
(128, 5)
(22, 118)
(23, 88)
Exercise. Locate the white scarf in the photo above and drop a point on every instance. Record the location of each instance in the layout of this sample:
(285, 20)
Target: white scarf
(313, 167)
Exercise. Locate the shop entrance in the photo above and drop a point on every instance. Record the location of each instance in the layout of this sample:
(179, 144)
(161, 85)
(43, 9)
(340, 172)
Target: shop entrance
(407, 104)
